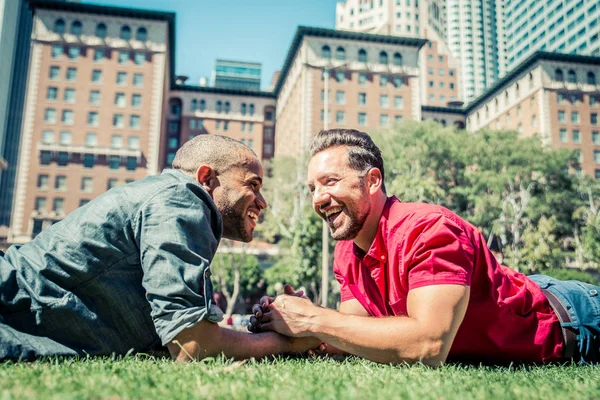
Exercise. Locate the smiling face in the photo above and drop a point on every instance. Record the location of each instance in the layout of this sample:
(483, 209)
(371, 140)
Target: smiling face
(340, 193)
(239, 200)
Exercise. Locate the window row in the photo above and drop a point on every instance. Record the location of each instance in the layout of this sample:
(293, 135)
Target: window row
(69, 96)
(563, 136)
(63, 158)
(576, 98)
(97, 76)
(124, 57)
(363, 78)
(441, 71)
(76, 28)
(575, 117)
(60, 184)
(362, 55)
(442, 85)
(572, 76)
(340, 118)
(93, 119)
(65, 138)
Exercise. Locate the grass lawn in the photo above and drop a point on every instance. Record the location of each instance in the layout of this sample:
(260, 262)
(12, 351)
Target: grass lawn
(147, 377)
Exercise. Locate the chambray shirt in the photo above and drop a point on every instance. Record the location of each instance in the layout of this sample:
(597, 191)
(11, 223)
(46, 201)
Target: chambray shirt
(126, 272)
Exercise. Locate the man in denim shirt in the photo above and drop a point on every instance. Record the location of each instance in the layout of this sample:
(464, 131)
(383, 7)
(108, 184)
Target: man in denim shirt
(130, 270)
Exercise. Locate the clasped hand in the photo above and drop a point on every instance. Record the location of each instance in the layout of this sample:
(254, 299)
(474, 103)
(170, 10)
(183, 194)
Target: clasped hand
(288, 314)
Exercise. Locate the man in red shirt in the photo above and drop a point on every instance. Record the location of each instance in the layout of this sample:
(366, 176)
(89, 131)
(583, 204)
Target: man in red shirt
(430, 272)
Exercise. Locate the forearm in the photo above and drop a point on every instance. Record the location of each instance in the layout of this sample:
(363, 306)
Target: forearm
(212, 340)
(385, 340)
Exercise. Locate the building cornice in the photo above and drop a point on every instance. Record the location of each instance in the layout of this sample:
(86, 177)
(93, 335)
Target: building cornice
(224, 91)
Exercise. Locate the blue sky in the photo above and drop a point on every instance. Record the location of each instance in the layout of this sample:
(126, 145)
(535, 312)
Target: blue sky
(258, 30)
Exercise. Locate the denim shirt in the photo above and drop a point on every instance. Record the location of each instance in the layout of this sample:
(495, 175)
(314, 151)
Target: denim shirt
(126, 272)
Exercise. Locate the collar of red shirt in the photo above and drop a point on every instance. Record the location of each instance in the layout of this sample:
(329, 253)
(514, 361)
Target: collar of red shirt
(377, 253)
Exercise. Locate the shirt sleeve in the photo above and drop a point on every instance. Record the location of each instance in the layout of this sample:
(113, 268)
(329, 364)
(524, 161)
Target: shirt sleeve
(345, 292)
(437, 251)
(178, 239)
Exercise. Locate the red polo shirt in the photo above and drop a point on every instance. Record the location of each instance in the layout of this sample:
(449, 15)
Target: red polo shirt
(508, 317)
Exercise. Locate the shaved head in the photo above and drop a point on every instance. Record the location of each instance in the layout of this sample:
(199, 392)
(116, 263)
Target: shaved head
(218, 152)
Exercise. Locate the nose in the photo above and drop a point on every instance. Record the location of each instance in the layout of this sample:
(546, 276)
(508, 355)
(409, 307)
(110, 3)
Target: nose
(320, 196)
(261, 202)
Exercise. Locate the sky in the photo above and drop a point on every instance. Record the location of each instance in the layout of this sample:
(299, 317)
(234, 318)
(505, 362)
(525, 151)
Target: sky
(256, 30)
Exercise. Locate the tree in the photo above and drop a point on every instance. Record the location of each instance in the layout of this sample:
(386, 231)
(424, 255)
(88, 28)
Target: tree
(235, 274)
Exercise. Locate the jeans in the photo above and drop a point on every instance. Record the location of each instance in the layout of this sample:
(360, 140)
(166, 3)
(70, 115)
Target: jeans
(582, 301)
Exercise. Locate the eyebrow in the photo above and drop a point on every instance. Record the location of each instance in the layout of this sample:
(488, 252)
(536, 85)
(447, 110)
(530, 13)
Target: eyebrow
(255, 178)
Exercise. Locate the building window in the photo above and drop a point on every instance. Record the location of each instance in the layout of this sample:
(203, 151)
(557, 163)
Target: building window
(269, 115)
(50, 116)
(114, 162)
(383, 120)
(362, 99)
(383, 81)
(594, 118)
(63, 158)
(51, 93)
(40, 204)
(593, 100)
(71, 74)
(397, 59)
(560, 98)
(202, 105)
(192, 124)
(101, 30)
(57, 50)
(227, 107)
(133, 142)
(173, 143)
(91, 140)
(95, 97)
(225, 125)
(118, 121)
(48, 137)
(74, 52)
(384, 101)
(362, 78)
(59, 26)
(139, 58)
(362, 55)
(597, 156)
(60, 183)
(362, 119)
(42, 182)
(398, 81)
(54, 72)
(251, 108)
(45, 157)
(596, 137)
(134, 122)
(219, 106)
(251, 127)
(116, 141)
(398, 102)
(123, 57)
(88, 160)
(558, 75)
(173, 127)
(571, 76)
(138, 81)
(576, 136)
(69, 95)
(121, 78)
(97, 76)
(326, 52)
(130, 163)
(575, 117)
(111, 182)
(340, 117)
(65, 138)
(125, 32)
(136, 100)
(383, 58)
(243, 108)
(533, 121)
(340, 54)
(87, 185)
(92, 118)
(591, 78)
(120, 100)
(562, 116)
(141, 34)
(340, 97)
(340, 76)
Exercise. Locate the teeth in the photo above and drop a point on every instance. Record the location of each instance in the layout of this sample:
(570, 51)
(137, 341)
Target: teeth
(253, 215)
(332, 211)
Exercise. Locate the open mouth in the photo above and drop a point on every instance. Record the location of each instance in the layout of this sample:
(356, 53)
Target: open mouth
(253, 217)
(332, 214)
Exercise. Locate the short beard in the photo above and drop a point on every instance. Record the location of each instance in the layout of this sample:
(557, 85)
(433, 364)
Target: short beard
(234, 225)
(356, 224)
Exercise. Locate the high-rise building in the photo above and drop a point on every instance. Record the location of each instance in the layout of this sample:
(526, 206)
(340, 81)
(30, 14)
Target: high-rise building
(96, 87)
(238, 75)
(554, 26)
(348, 79)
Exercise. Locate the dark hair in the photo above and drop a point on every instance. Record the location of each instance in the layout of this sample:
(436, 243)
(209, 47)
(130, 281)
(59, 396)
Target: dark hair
(218, 152)
(363, 154)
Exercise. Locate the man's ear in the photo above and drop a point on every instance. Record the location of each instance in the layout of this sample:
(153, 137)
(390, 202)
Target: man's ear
(206, 176)
(374, 180)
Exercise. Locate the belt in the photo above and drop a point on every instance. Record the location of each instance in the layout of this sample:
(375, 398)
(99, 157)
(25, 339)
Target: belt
(569, 337)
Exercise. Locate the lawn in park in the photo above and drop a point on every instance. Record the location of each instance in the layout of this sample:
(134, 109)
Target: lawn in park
(152, 377)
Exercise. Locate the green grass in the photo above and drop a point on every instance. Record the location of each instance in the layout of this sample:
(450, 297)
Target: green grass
(148, 377)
